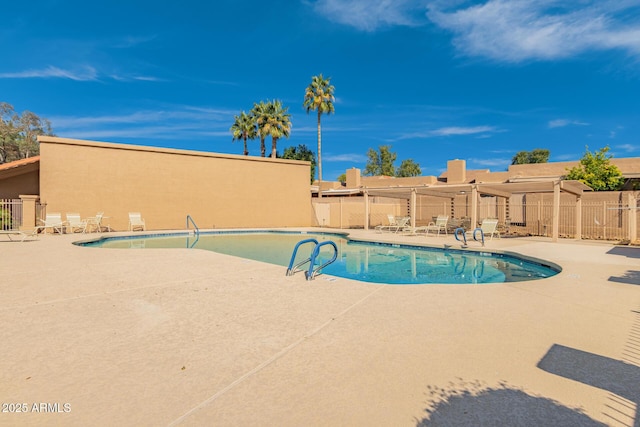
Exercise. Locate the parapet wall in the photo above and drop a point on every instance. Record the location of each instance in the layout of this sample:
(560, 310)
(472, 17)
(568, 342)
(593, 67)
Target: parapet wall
(165, 185)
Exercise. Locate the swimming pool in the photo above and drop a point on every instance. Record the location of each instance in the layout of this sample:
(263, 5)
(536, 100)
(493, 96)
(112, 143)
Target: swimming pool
(365, 261)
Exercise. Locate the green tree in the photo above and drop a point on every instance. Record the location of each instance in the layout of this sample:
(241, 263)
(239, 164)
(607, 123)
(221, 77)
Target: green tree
(302, 152)
(342, 178)
(19, 133)
(319, 97)
(243, 128)
(279, 124)
(597, 172)
(260, 112)
(380, 162)
(539, 155)
(408, 168)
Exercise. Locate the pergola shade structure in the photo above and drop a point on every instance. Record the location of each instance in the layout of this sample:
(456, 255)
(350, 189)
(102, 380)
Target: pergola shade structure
(503, 189)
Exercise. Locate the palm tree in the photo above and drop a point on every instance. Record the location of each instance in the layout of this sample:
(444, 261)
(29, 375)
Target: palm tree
(244, 127)
(261, 113)
(279, 123)
(319, 96)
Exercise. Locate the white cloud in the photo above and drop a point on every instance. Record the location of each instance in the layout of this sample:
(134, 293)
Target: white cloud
(514, 31)
(481, 131)
(177, 122)
(559, 123)
(355, 158)
(628, 148)
(504, 163)
(367, 15)
(456, 130)
(82, 74)
(86, 73)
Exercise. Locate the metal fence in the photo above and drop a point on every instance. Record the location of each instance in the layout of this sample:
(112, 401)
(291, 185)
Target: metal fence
(601, 220)
(10, 214)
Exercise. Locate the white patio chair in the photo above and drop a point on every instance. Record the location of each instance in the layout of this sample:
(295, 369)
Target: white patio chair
(52, 221)
(489, 227)
(440, 225)
(393, 222)
(74, 223)
(96, 223)
(136, 222)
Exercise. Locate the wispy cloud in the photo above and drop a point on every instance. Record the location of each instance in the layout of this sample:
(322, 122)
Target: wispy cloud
(456, 130)
(85, 73)
(174, 123)
(514, 31)
(355, 158)
(504, 163)
(628, 148)
(366, 15)
(449, 131)
(559, 123)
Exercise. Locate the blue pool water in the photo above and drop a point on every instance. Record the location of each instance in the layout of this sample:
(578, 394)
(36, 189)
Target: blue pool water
(364, 261)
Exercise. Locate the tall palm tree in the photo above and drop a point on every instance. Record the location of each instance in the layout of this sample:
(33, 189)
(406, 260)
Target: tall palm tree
(319, 97)
(261, 113)
(279, 123)
(244, 127)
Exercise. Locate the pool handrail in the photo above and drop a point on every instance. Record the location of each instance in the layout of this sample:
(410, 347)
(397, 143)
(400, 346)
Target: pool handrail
(291, 270)
(460, 231)
(196, 232)
(311, 274)
(481, 235)
(190, 218)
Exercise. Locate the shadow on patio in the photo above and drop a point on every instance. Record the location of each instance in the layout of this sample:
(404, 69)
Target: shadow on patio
(471, 404)
(631, 277)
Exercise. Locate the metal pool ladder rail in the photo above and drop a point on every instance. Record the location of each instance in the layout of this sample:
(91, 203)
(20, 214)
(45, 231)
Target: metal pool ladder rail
(196, 232)
(311, 273)
(196, 229)
(461, 236)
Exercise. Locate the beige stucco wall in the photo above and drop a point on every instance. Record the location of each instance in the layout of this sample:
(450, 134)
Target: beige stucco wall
(165, 185)
(24, 183)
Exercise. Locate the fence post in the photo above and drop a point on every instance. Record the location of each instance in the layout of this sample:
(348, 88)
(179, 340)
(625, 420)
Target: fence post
(633, 212)
(474, 207)
(578, 218)
(366, 210)
(605, 220)
(556, 211)
(412, 208)
(28, 211)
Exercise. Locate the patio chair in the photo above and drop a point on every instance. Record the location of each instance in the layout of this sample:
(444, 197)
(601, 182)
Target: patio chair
(136, 222)
(52, 221)
(96, 223)
(392, 223)
(402, 224)
(74, 223)
(440, 225)
(23, 236)
(489, 227)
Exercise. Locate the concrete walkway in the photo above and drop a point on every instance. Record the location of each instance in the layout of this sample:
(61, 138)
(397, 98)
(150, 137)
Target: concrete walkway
(187, 337)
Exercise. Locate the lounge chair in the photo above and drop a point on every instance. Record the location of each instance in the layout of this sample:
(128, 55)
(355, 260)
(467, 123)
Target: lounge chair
(52, 221)
(74, 223)
(136, 222)
(402, 224)
(440, 225)
(392, 223)
(95, 223)
(23, 236)
(489, 227)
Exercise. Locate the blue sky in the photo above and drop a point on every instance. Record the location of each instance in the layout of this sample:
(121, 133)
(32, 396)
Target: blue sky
(436, 80)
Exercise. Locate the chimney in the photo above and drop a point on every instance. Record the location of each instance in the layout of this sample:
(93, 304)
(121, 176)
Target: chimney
(353, 178)
(456, 171)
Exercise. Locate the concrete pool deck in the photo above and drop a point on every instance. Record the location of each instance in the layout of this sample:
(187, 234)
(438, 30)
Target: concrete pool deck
(189, 337)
